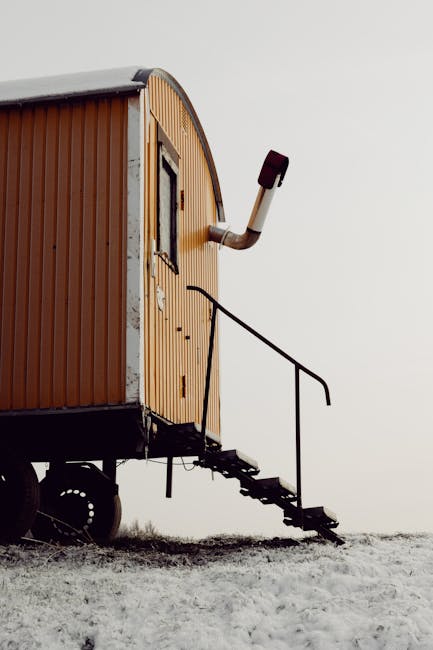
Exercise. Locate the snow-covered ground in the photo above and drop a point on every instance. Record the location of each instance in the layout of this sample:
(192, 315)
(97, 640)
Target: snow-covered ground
(374, 592)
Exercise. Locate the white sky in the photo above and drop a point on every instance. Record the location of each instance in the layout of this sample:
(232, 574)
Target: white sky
(342, 275)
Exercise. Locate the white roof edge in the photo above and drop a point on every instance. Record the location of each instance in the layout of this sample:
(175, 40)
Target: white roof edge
(74, 84)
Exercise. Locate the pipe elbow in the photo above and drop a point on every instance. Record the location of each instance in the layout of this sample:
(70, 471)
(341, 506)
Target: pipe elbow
(232, 239)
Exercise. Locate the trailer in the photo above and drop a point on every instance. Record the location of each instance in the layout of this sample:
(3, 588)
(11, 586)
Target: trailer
(110, 220)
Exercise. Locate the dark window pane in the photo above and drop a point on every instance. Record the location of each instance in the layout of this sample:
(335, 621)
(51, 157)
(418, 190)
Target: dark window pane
(167, 210)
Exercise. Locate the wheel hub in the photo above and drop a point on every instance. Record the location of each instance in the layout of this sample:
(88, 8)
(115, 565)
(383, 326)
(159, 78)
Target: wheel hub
(78, 512)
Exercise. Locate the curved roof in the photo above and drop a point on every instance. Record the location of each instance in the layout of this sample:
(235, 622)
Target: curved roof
(103, 82)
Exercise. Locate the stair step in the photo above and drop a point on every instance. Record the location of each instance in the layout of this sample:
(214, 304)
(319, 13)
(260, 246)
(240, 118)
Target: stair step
(312, 518)
(237, 457)
(230, 463)
(319, 516)
(268, 490)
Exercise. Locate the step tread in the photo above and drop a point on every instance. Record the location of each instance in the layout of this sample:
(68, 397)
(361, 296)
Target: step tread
(269, 491)
(320, 512)
(234, 456)
(231, 463)
(275, 483)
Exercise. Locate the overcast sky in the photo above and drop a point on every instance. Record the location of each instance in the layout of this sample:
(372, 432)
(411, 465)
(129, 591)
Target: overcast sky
(342, 275)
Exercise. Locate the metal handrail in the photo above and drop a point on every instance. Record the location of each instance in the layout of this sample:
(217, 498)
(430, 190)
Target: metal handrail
(299, 367)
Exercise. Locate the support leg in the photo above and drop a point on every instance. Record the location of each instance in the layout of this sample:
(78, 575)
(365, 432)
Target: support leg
(169, 483)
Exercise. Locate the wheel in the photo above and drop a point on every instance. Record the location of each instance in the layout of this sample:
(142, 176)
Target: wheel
(117, 518)
(19, 496)
(77, 502)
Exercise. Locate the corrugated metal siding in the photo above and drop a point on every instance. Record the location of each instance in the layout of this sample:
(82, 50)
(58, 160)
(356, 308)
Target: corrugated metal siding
(177, 339)
(62, 254)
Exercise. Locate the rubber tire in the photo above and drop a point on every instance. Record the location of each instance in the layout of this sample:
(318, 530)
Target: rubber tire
(106, 506)
(19, 496)
(117, 517)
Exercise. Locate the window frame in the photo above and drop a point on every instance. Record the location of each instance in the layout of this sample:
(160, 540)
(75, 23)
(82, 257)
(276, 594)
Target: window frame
(168, 159)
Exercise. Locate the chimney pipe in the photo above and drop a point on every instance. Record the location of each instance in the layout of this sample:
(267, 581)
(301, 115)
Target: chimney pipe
(270, 177)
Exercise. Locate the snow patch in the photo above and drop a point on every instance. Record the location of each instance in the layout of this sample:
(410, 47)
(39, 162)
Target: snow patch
(375, 592)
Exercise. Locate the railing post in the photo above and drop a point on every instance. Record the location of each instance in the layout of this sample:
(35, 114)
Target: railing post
(208, 376)
(298, 442)
(298, 368)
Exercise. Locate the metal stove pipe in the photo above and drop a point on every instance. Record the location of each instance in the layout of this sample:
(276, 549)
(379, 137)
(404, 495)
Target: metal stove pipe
(271, 176)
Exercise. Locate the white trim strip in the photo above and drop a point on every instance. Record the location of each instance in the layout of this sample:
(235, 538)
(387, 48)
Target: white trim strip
(135, 253)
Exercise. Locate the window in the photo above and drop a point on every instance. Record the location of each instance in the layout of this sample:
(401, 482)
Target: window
(167, 202)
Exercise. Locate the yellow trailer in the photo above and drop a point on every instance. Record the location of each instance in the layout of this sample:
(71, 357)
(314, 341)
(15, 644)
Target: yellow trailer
(110, 208)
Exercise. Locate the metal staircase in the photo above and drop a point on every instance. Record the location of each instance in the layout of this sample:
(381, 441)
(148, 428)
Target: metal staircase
(276, 491)
(234, 464)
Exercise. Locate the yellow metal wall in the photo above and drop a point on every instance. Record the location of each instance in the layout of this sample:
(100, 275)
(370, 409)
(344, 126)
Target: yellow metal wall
(176, 338)
(62, 254)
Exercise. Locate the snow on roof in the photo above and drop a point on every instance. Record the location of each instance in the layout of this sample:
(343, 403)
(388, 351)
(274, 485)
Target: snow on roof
(76, 84)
